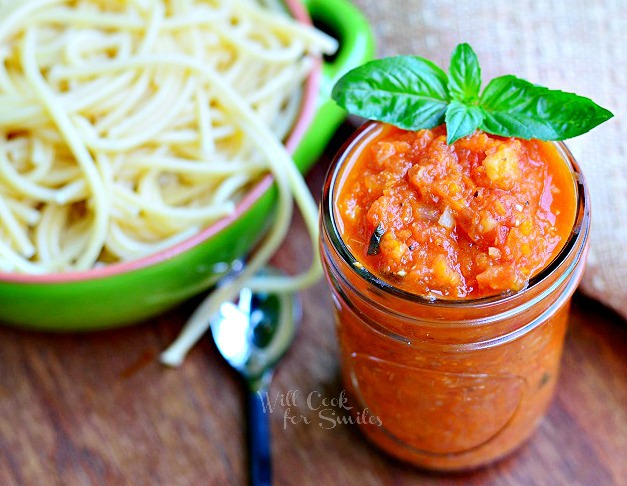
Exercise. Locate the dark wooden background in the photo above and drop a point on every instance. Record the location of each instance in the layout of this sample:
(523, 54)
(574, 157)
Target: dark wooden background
(99, 408)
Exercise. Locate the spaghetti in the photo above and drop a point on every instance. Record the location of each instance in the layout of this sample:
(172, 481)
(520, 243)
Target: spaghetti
(128, 126)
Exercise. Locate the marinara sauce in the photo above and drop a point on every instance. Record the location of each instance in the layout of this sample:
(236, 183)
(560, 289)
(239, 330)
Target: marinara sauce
(452, 269)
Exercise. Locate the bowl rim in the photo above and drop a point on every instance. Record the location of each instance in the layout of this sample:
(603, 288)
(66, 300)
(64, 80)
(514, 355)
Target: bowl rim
(307, 111)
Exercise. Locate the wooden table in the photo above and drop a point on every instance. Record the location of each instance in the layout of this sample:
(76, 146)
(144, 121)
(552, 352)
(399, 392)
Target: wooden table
(99, 408)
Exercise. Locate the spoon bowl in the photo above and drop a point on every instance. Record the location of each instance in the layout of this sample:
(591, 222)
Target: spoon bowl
(254, 334)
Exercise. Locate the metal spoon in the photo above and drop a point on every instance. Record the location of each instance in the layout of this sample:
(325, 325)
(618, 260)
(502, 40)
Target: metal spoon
(253, 336)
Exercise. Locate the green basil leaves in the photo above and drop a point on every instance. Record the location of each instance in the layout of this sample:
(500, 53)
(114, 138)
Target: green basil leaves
(413, 93)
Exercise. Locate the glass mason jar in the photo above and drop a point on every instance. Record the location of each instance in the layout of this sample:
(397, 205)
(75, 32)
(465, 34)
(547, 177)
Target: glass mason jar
(449, 384)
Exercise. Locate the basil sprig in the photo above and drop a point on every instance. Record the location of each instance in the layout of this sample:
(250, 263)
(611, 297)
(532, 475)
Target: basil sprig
(413, 93)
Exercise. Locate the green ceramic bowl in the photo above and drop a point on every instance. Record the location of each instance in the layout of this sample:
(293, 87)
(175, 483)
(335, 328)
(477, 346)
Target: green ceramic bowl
(126, 293)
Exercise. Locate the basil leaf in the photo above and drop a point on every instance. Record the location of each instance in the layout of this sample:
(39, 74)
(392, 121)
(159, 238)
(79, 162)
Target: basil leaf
(407, 91)
(464, 74)
(514, 107)
(461, 120)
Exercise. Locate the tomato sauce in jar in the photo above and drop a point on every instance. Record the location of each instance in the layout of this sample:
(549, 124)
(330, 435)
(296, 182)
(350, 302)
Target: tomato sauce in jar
(463, 221)
(452, 269)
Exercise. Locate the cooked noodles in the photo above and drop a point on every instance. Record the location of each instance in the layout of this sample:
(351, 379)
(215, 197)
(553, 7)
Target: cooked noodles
(121, 130)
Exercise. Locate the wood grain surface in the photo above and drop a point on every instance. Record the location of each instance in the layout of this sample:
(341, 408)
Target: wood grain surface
(99, 409)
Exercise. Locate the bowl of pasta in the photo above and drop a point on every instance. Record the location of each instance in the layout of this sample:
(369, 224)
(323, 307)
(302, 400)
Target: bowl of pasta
(146, 146)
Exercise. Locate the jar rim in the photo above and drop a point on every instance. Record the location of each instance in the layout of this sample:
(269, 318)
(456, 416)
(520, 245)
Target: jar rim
(575, 242)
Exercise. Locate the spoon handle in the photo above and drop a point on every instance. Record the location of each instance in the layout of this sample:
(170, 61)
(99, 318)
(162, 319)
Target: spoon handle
(260, 456)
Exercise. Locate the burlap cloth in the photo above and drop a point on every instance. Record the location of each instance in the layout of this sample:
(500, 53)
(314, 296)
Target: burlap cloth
(573, 45)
